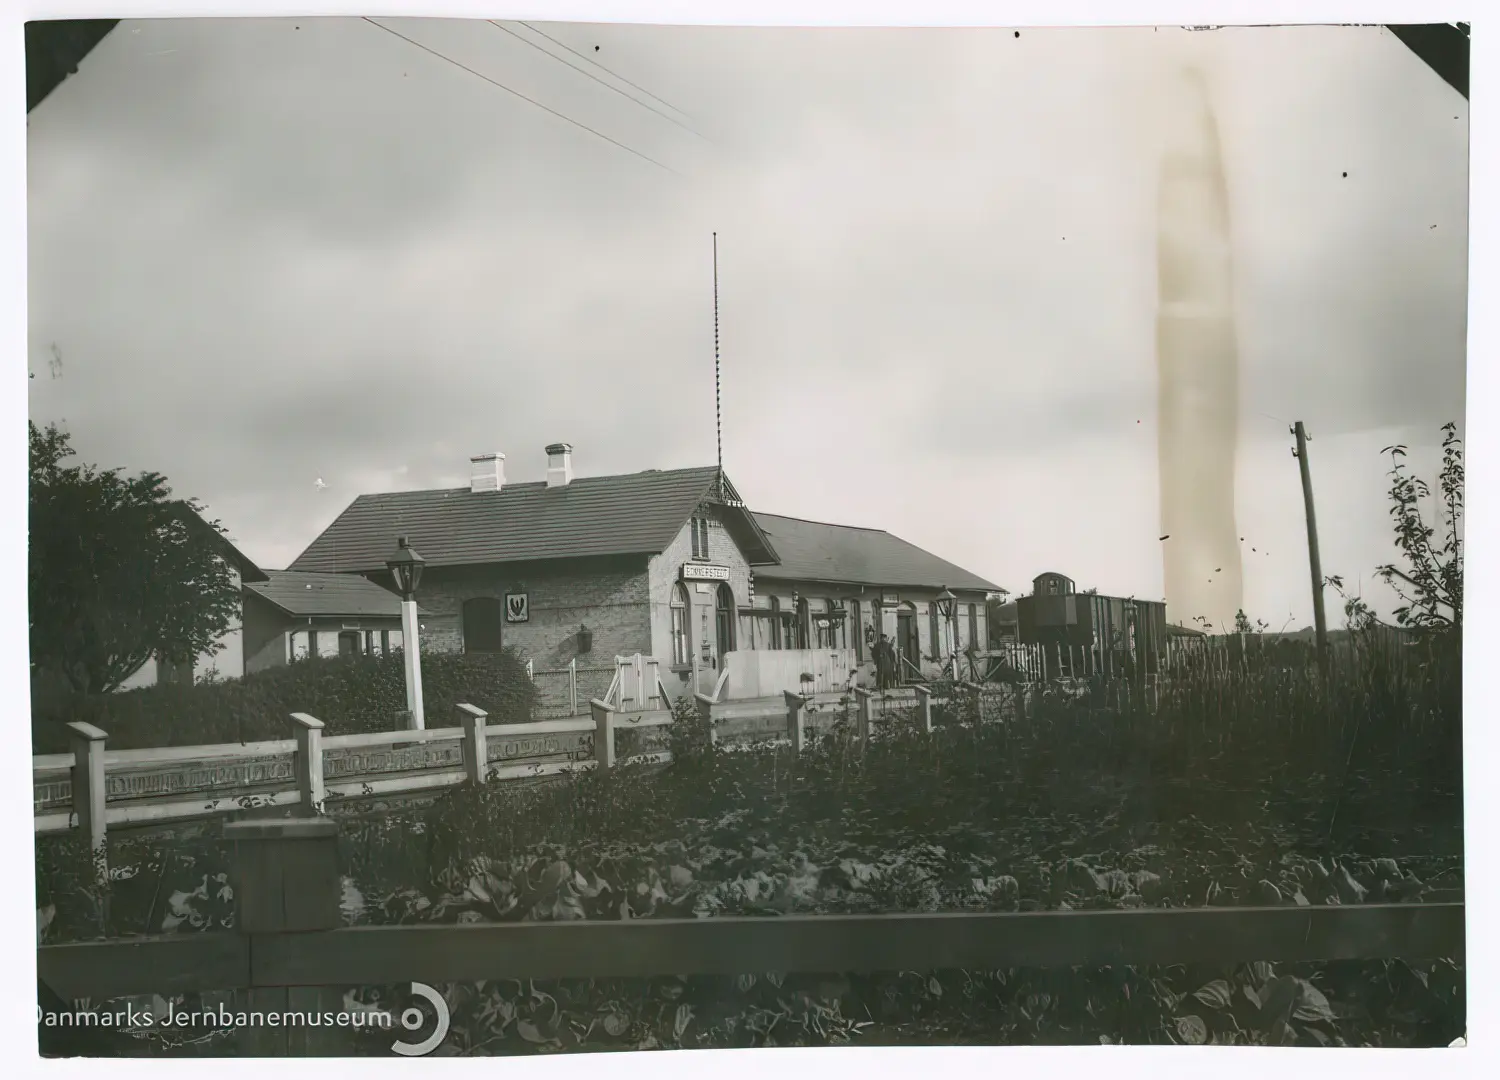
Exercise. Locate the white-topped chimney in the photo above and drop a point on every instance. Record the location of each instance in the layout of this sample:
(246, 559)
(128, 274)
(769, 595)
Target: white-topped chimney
(487, 472)
(559, 465)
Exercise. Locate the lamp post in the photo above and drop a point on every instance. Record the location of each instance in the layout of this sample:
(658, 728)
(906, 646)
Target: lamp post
(406, 567)
(947, 604)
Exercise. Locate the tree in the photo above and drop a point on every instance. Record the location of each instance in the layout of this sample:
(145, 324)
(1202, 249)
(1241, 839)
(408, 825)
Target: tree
(119, 571)
(1431, 584)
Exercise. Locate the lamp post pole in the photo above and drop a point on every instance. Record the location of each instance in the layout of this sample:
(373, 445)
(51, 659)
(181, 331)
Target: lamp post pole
(406, 567)
(947, 605)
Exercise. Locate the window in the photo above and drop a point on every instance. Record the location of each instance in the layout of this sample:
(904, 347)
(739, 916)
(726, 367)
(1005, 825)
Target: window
(803, 625)
(348, 644)
(974, 626)
(776, 629)
(483, 624)
(856, 632)
(724, 621)
(680, 655)
(699, 527)
(829, 628)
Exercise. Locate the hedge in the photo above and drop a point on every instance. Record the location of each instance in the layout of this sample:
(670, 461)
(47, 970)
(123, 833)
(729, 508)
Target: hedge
(355, 694)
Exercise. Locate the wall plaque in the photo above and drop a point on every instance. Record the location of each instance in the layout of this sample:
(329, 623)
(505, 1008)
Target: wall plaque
(517, 608)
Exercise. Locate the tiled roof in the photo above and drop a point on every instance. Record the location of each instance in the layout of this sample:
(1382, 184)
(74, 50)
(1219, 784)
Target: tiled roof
(634, 514)
(301, 593)
(812, 551)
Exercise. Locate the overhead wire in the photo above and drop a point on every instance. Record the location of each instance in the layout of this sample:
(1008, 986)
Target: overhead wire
(590, 75)
(518, 94)
(607, 71)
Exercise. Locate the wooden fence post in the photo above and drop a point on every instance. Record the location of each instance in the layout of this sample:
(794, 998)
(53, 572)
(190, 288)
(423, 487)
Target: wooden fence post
(706, 714)
(862, 713)
(476, 750)
(285, 878)
(796, 720)
(604, 734)
(89, 792)
(309, 762)
(924, 707)
(573, 687)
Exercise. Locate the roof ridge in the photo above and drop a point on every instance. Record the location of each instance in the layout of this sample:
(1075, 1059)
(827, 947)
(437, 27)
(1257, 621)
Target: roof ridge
(635, 513)
(510, 484)
(826, 524)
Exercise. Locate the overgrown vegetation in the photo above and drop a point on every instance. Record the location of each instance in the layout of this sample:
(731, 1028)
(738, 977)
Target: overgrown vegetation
(349, 694)
(1259, 786)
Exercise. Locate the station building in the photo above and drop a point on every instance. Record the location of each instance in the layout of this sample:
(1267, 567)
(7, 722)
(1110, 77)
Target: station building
(667, 563)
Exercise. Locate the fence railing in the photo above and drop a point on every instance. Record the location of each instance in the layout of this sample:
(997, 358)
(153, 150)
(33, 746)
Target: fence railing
(289, 939)
(96, 789)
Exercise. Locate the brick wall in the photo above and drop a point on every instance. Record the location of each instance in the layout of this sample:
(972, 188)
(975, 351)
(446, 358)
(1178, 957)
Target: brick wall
(610, 597)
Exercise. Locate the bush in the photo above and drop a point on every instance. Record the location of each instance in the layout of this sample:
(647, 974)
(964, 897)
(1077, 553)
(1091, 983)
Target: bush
(356, 694)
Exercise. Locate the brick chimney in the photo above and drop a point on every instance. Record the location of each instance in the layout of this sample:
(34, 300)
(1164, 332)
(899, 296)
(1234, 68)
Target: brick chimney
(487, 472)
(559, 465)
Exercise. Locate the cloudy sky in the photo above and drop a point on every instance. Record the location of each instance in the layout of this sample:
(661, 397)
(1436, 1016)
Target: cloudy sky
(265, 253)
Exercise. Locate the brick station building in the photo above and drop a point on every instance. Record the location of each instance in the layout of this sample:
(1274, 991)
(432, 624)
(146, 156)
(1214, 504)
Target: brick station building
(666, 563)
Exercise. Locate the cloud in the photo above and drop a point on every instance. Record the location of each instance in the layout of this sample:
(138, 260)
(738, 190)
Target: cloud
(271, 254)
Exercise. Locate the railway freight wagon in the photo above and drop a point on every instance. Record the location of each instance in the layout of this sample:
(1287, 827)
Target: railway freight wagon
(1086, 633)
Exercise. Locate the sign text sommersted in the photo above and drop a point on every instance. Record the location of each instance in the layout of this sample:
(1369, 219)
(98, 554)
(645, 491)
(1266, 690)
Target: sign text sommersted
(704, 572)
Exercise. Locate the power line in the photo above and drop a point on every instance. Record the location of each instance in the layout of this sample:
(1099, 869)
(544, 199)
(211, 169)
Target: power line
(517, 93)
(601, 67)
(601, 82)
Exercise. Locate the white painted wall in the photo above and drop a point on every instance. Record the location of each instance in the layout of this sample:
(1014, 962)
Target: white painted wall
(228, 662)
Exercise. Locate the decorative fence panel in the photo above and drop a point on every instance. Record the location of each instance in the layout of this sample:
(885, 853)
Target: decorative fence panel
(564, 692)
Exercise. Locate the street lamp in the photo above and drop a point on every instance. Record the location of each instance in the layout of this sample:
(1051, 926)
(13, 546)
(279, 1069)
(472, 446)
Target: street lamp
(947, 605)
(406, 568)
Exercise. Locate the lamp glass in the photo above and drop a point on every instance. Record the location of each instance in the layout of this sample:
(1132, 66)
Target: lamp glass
(406, 567)
(945, 603)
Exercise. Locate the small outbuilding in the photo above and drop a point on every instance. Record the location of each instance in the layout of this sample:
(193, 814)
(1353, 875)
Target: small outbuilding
(296, 613)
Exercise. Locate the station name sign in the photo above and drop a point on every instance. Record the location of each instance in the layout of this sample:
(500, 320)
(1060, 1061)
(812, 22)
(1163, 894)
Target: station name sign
(704, 572)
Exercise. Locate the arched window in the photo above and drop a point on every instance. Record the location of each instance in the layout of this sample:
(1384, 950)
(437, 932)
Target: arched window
(680, 654)
(724, 620)
(483, 625)
(776, 634)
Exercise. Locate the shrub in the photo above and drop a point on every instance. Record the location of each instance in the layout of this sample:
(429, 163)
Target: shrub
(356, 694)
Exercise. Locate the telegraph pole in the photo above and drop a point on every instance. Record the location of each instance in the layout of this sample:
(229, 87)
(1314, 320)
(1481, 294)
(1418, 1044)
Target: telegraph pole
(1314, 562)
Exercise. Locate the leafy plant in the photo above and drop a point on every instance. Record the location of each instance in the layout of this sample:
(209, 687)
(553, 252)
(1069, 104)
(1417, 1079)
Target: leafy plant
(118, 572)
(1430, 584)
